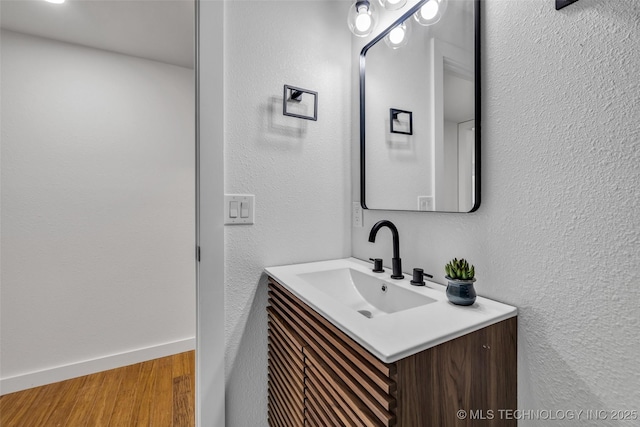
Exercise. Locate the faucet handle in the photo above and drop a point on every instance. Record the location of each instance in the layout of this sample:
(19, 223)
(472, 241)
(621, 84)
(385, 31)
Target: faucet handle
(377, 265)
(418, 275)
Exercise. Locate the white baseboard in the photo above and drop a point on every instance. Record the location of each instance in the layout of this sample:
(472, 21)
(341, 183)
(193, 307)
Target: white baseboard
(79, 369)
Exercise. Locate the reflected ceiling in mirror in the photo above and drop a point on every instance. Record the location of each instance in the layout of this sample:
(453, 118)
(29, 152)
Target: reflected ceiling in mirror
(433, 77)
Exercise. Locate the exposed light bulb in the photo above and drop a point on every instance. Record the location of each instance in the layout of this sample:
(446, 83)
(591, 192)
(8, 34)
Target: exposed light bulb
(430, 12)
(398, 36)
(362, 18)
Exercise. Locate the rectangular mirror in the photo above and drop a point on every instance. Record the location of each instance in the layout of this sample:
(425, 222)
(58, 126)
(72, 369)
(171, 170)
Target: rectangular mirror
(431, 75)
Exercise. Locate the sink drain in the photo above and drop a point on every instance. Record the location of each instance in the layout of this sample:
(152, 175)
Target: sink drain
(365, 313)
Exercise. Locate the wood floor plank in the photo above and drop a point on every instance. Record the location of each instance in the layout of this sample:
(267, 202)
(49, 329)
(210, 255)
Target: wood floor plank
(42, 405)
(126, 395)
(183, 364)
(102, 409)
(155, 393)
(14, 406)
(140, 411)
(183, 389)
(67, 400)
(162, 400)
(86, 399)
(146, 408)
(183, 415)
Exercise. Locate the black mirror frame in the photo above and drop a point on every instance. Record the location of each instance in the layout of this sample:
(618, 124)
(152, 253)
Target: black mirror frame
(478, 123)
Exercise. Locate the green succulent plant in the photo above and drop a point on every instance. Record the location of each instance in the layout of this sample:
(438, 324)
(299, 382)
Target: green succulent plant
(458, 269)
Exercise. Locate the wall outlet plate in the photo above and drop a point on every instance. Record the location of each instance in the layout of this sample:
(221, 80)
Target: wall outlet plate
(356, 215)
(425, 203)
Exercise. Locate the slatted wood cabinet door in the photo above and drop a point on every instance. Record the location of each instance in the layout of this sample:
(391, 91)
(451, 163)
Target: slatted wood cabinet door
(320, 377)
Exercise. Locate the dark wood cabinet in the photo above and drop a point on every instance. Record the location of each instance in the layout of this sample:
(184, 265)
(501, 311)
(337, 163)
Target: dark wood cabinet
(318, 376)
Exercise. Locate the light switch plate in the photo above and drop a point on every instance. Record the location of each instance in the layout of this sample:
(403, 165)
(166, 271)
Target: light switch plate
(243, 200)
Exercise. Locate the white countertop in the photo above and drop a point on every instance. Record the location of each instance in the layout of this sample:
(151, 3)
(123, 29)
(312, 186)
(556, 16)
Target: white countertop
(393, 336)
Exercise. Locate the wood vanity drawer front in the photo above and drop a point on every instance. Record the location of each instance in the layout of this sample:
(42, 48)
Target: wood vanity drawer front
(346, 404)
(288, 334)
(357, 392)
(284, 401)
(315, 411)
(285, 374)
(279, 343)
(385, 369)
(315, 335)
(315, 407)
(335, 411)
(286, 398)
(291, 391)
(311, 415)
(342, 363)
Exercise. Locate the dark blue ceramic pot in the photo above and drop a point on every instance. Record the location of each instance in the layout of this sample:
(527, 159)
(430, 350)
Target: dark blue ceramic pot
(461, 292)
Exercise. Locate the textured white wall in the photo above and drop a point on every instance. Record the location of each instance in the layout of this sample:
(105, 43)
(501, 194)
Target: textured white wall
(558, 231)
(97, 204)
(297, 169)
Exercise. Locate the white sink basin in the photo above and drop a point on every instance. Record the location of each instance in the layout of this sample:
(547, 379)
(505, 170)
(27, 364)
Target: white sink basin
(391, 324)
(364, 293)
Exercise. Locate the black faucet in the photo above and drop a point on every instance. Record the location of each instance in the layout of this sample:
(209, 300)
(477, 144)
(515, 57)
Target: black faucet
(396, 263)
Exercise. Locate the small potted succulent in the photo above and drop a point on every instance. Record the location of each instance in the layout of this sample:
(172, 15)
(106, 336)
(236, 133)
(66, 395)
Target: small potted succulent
(460, 289)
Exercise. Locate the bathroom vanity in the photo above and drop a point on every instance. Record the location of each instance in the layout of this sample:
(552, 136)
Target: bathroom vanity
(409, 359)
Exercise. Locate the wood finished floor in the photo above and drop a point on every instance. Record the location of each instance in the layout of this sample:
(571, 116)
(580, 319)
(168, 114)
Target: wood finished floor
(156, 393)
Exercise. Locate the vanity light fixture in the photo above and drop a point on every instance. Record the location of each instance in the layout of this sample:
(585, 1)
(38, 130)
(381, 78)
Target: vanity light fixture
(393, 4)
(431, 12)
(362, 18)
(55, 1)
(399, 36)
